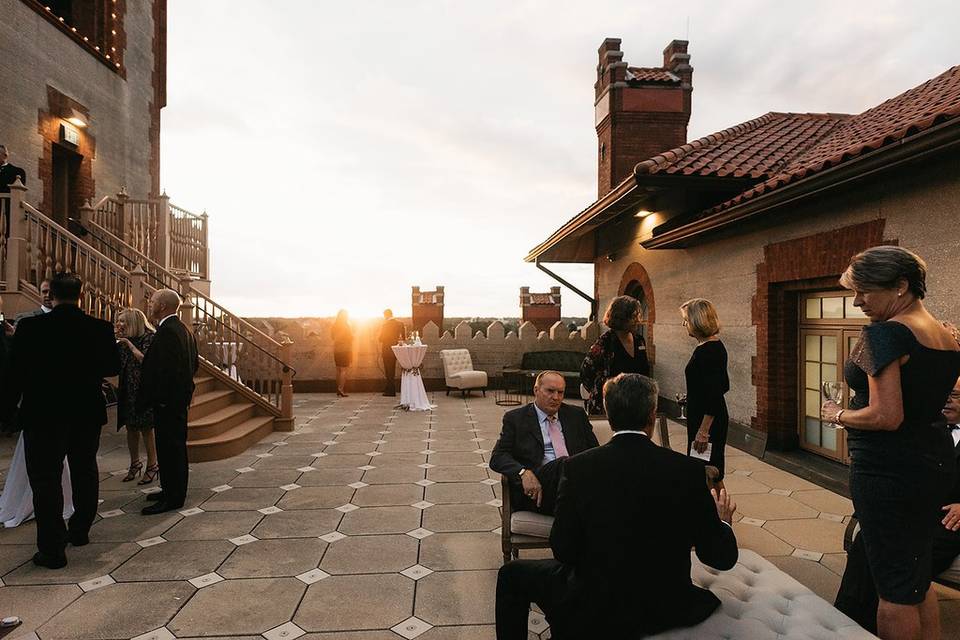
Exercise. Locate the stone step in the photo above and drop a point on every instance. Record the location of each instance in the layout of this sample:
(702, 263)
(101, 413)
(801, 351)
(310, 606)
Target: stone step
(204, 384)
(219, 421)
(232, 442)
(206, 403)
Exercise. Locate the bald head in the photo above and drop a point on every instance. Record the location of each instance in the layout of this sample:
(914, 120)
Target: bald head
(163, 303)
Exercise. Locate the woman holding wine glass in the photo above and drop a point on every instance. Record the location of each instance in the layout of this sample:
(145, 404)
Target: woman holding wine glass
(901, 371)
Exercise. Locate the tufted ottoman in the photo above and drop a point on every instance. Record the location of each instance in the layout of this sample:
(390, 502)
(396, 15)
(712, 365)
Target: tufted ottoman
(761, 602)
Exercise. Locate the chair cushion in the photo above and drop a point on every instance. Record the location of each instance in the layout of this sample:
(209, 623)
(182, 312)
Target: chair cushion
(761, 602)
(953, 573)
(530, 523)
(455, 360)
(468, 380)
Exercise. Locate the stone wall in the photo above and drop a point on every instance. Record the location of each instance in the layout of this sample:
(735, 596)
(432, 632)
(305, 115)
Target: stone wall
(36, 56)
(312, 350)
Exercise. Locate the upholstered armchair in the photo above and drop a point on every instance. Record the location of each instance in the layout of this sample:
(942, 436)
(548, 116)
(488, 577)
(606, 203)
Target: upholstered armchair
(459, 374)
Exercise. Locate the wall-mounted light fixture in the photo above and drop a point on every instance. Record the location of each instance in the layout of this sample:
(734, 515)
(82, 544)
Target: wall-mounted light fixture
(76, 118)
(643, 213)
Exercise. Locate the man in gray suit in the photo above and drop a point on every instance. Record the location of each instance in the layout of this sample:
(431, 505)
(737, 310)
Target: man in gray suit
(46, 306)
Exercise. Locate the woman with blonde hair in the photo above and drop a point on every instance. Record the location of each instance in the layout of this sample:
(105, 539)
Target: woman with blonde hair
(619, 350)
(342, 349)
(707, 382)
(134, 336)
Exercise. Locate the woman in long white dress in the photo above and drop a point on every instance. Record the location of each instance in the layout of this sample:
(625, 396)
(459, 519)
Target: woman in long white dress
(16, 502)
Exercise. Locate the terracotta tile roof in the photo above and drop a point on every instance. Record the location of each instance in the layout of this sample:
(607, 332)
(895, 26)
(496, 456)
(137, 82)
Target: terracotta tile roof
(651, 74)
(759, 148)
(912, 112)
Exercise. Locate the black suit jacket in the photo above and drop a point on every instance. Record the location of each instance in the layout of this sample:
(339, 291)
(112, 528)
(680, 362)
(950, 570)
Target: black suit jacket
(56, 367)
(627, 515)
(8, 175)
(520, 445)
(390, 332)
(166, 375)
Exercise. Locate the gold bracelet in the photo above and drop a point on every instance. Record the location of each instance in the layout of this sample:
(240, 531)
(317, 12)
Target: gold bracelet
(837, 419)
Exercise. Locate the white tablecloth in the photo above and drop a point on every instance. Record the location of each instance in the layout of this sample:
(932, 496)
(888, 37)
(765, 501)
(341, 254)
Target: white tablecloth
(228, 353)
(412, 394)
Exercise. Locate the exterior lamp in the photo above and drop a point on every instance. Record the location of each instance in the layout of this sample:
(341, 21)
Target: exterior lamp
(643, 213)
(76, 118)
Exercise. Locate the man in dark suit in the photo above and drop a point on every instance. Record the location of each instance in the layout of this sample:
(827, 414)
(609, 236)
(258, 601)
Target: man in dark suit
(46, 304)
(628, 514)
(857, 596)
(391, 332)
(58, 361)
(166, 385)
(534, 442)
(9, 173)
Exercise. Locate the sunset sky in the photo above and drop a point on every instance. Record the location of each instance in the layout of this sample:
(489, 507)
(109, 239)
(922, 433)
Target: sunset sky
(346, 151)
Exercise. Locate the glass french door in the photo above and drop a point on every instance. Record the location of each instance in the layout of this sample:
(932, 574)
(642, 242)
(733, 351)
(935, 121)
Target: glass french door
(829, 328)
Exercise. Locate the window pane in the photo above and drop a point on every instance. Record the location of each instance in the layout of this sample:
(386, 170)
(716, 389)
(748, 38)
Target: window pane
(811, 379)
(813, 403)
(829, 353)
(832, 307)
(811, 431)
(813, 349)
(813, 307)
(828, 373)
(852, 311)
(829, 437)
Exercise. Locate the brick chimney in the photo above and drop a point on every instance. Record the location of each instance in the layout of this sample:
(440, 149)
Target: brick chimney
(542, 309)
(427, 307)
(640, 111)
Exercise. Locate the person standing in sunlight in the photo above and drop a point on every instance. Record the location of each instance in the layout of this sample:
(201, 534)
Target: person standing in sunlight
(342, 349)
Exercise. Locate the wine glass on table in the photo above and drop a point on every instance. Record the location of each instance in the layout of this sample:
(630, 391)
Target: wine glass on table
(833, 391)
(682, 402)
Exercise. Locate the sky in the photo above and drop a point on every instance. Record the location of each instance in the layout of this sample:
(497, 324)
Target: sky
(346, 151)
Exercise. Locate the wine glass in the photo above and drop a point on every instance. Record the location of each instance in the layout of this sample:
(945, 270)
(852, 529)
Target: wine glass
(682, 401)
(833, 391)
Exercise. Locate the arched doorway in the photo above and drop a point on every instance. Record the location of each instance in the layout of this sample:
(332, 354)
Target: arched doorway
(636, 283)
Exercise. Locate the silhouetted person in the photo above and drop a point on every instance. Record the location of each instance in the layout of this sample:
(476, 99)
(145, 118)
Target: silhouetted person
(9, 173)
(166, 385)
(46, 303)
(57, 364)
(391, 332)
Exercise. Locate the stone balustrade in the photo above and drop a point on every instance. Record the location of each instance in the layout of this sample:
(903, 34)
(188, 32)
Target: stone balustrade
(312, 349)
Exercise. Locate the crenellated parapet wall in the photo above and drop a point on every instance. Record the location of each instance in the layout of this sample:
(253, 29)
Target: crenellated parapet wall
(312, 349)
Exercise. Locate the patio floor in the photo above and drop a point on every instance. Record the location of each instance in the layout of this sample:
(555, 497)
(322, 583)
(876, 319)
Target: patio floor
(366, 523)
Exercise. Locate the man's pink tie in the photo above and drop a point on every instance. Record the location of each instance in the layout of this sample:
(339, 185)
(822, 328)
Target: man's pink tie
(556, 437)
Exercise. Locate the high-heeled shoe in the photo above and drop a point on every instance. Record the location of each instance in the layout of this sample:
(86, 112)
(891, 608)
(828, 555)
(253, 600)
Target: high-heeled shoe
(341, 394)
(135, 470)
(150, 474)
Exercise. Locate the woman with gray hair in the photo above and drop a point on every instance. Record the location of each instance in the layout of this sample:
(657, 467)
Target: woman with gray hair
(900, 373)
(619, 350)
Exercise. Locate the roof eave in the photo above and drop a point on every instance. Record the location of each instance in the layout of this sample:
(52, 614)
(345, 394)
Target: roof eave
(931, 141)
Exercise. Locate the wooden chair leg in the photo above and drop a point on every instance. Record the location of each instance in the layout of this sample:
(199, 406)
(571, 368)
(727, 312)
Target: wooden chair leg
(448, 391)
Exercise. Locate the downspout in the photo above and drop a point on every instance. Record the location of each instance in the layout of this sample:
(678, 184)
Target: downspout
(593, 303)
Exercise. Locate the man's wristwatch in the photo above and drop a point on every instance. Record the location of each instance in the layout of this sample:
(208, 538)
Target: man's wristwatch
(522, 471)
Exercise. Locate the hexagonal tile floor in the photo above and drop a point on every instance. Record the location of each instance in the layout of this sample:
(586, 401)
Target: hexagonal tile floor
(366, 522)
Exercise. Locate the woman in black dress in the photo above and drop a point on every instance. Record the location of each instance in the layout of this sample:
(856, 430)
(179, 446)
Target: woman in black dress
(619, 350)
(900, 374)
(707, 382)
(342, 349)
(135, 335)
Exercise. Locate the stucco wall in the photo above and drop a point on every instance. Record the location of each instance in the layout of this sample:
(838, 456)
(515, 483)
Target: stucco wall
(921, 209)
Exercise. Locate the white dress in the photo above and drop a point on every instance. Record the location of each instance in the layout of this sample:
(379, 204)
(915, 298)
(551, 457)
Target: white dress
(16, 502)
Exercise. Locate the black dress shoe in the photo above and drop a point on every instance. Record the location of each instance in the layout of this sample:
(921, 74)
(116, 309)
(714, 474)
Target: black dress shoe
(159, 507)
(78, 539)
(154, 497)
(50, 562)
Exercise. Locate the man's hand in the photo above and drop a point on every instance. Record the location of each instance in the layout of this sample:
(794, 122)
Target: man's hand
(531, 486)
(700, 441)
(725, 506)
(952, 520)
(8, 329)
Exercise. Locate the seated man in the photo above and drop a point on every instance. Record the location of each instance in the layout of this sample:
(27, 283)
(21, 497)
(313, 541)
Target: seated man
(857, 596)
(627, 515)
(534, 442)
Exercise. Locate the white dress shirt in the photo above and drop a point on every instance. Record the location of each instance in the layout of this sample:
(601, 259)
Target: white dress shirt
(172, 315)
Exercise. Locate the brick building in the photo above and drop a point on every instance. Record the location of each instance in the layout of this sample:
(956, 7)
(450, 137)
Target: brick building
(542, 309)
(762, 218)
(83, 82)
(427, 306)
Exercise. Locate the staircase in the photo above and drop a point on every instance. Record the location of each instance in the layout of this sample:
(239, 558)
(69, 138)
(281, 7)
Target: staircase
(226, 416)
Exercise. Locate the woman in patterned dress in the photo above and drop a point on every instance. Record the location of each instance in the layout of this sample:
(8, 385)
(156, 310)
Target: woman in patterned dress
(134, 337)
